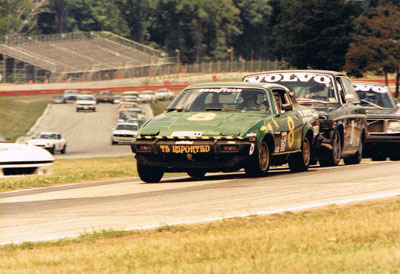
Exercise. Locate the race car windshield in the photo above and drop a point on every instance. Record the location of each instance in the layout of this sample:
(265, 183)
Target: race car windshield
(221, 99)
(378, 96)
(47, 136)
(312, 86)
(127, 127)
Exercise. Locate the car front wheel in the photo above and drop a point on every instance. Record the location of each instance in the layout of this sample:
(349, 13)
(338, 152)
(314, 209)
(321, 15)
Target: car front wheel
(149, 174)
(260, 164)
(332, 157)
(300, 161)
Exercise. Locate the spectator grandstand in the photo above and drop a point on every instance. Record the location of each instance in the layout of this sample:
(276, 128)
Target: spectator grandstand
(74, 56)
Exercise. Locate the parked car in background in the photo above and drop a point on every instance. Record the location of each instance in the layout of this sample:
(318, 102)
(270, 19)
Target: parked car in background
(117, 99)
(22, 159)
(225, 127)
(383, 121)
(51, 141)
(85, 102)
(70, 95)
(124, 133)
(58, 99)
(105, 96)
(147, 97)
(342, 120)
(163, 94)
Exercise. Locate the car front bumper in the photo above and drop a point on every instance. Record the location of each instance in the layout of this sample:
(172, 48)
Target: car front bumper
(176, 155)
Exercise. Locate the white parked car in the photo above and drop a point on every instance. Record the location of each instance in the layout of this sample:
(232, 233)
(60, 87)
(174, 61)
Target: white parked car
(164, 94)
(51, 141)
(124, 133)
(147, 96)
(85, 102)
(21, 159)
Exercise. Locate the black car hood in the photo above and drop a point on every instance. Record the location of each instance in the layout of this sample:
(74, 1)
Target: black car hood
(376, 113)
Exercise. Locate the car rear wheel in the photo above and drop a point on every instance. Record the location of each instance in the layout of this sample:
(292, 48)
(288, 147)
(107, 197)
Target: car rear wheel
(356, 158)
(196, 174)
(332, 157)
(260, 164)
(149, 174)
(300, 161)
(63, 149)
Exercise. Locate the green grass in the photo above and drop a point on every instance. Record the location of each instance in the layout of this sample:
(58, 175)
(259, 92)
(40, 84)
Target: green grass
(19, 113)
(358, 238)
(75, 171)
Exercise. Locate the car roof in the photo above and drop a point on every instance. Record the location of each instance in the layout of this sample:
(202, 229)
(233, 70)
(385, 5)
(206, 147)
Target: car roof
(236, 85)
(368, 83)
(319, 71)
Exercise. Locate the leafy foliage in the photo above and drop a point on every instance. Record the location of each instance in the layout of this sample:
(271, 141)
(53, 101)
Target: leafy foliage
(313, 33)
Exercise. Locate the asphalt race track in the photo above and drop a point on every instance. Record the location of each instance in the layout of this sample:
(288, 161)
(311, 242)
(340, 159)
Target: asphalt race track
(67, 211)
(88, 134)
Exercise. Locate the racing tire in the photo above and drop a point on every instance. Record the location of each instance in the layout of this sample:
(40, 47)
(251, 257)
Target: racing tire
(356, 158)
(196, 174)
(395, 157)
(149, 174)
(332, 157)
(299, 162)
(379, 156)
(63, 150)
(52, 150)
(260, 163)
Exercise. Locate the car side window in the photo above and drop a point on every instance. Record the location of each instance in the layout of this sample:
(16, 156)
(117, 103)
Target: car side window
(281, 99)
(340, 88)
(349, 89)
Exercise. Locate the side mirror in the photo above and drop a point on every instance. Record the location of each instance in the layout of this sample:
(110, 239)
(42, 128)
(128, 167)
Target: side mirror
(349, 98)
(287, 107)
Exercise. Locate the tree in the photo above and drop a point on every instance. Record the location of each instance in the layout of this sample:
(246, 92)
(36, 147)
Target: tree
(19, 17)
(255, 40)
(198, 30)
(313, 33)
(377, 47)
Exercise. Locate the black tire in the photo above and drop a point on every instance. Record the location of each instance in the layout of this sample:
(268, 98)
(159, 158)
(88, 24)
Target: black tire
(64, 149)
(52, 150)
(149, 174)
(196, 174)
(300, 161)
(356, 158)
(332, 157)
(260, 163)
(379, 156)
(395, 156)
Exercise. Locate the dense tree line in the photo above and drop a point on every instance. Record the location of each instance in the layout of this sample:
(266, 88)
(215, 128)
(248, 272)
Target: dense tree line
(357, 35)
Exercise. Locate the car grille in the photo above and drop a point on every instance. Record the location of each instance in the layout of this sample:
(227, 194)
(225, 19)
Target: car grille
(376, 126)
(123, 135)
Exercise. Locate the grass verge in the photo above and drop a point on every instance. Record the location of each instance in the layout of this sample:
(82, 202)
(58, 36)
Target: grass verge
(358, 238)
(75, 171)
(19, 113)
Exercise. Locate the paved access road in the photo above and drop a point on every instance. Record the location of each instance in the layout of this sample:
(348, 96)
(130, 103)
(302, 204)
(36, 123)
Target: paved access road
(88, 134)
(57, 212)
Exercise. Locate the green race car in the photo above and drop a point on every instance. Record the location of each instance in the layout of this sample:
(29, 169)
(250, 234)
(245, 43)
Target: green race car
(225, 127)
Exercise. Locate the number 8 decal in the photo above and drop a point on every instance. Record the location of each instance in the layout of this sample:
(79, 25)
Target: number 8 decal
(291, 131)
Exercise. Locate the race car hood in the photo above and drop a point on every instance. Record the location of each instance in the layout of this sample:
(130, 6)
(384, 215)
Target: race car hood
(85, 102)
(13, 153)
(124, 132)
(40, 142)
(376, 113)
(203, 123)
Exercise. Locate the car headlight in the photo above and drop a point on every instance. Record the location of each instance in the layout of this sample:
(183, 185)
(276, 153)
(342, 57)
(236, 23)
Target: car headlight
(393, 126)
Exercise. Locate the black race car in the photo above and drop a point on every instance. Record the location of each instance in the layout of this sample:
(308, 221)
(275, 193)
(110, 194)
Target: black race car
(383, 120)
(331, 93)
